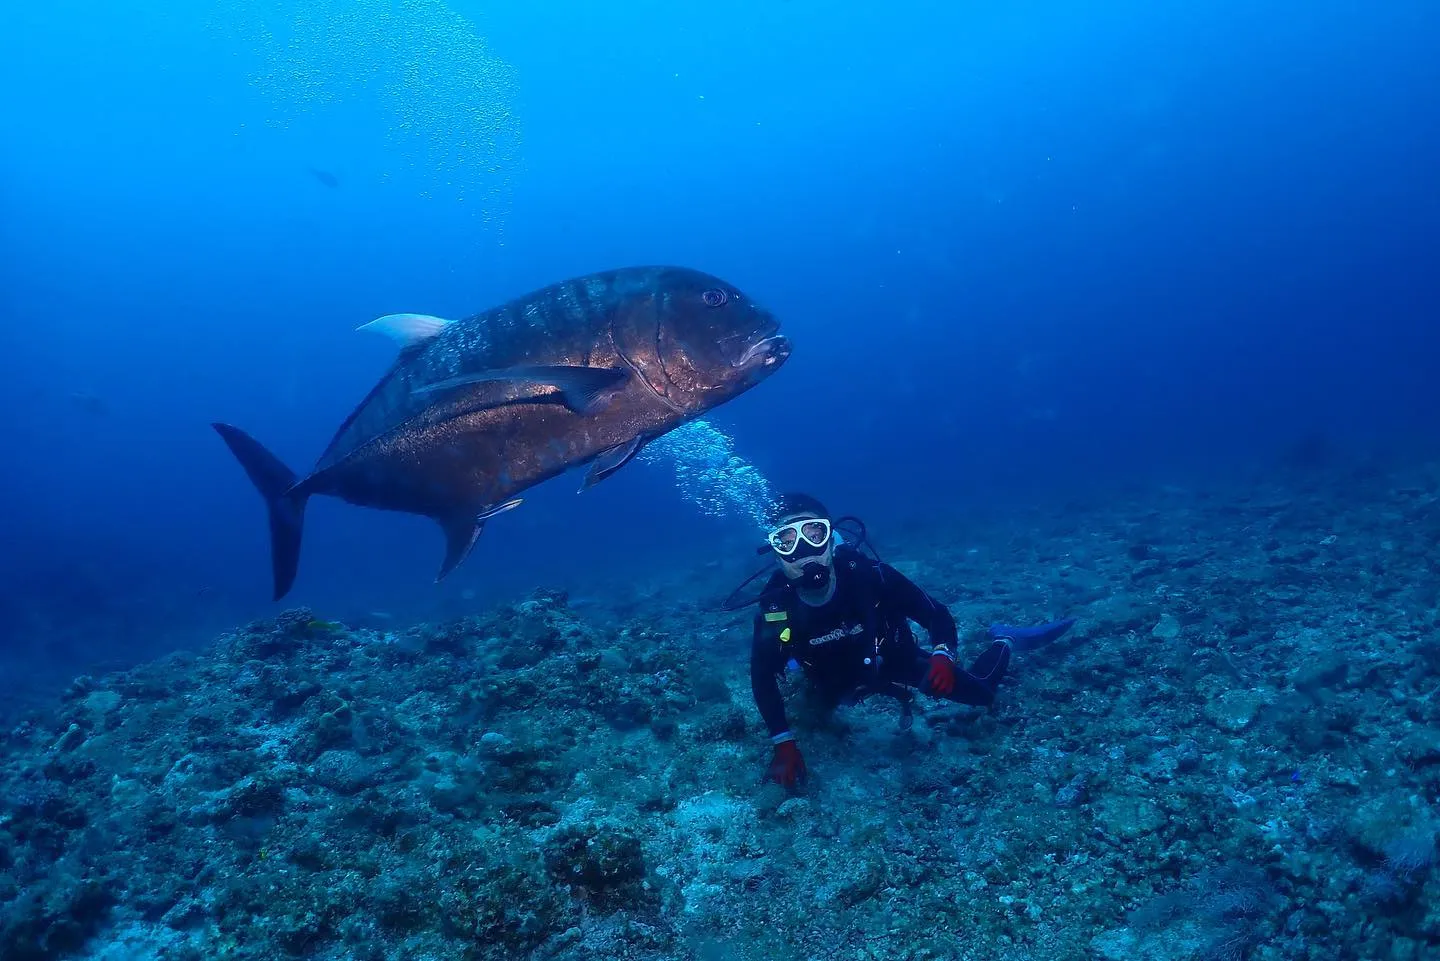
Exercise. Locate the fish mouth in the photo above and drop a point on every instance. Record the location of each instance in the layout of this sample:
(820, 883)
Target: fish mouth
(769, 351)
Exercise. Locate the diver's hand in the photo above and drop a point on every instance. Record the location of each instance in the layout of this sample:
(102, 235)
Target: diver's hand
(787, 767)
(940, 679)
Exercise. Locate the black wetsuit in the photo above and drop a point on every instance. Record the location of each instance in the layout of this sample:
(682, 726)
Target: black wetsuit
(859, 641)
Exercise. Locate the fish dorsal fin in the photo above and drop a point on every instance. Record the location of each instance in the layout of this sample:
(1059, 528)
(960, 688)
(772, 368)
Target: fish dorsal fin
(582, 388)
(409, 330)
(609, 461)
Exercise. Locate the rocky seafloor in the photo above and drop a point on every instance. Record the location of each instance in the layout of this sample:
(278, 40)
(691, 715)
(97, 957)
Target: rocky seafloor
(1235, 754)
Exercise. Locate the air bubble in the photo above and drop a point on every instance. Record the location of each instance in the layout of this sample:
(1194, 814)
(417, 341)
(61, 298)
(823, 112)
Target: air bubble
(446, 102)
(710, 475)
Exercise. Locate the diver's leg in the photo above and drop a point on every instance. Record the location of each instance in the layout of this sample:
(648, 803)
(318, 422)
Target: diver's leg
(989, 668)
(821, 700)
(976, 686)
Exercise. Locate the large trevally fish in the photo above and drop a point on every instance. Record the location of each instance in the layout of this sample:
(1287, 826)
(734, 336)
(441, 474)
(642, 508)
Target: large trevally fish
(475, 411)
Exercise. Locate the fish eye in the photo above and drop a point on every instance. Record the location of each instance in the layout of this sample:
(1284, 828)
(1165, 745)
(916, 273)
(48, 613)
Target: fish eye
(714, 297)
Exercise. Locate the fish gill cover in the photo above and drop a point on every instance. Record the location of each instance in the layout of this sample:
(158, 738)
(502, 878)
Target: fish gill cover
(1120, 312)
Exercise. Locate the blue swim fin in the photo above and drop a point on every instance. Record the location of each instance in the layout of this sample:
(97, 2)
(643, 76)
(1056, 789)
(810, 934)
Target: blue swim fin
(1030, 638)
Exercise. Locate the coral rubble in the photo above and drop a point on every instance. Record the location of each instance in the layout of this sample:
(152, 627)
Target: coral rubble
(1236, 754)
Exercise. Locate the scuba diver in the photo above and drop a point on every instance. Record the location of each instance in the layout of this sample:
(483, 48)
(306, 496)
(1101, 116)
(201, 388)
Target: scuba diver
(843, 618)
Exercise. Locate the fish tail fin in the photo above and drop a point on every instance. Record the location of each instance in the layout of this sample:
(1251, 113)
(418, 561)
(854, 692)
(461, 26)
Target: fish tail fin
(276, 483)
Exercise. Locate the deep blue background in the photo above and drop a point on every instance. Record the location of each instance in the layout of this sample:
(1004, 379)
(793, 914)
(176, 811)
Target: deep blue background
(1024, 250)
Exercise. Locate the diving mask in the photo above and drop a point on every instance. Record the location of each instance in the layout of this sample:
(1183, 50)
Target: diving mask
(786, 539)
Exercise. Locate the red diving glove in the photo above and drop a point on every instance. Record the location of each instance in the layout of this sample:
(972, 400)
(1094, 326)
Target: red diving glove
(940, 679)
(787, 767)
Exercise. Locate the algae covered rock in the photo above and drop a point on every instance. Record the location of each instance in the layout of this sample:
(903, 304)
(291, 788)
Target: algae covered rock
(1321, 673)
(606, 862)
(344, 772)
(1128, 816)
(725, 722)
(853, 880)
(1235, 710)
(253, 797)
(1421, 747)
(507, 907)
(1182, 943)
(1215, 914)
(1376, 823)
(97, 704)
(1167, 629)
(55, 918)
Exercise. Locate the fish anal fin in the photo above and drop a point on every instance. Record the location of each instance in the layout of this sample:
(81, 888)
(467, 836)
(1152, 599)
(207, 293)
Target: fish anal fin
(609, 461)
(461, 532)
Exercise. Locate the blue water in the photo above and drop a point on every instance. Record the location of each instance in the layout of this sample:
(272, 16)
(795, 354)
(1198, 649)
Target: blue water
(1025, 251)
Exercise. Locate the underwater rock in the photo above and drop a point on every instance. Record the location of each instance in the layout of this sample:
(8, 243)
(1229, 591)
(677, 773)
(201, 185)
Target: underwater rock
(252, 797)
(1420, 747)
(344, 772)
(493, 742)
(1073, 792)
(725, 722)
(1128, 817)
(1376, 823)
(1147, 569)
(97, 704)
(73, 737)
(605, 862)
(1177, 759)
(792, 808)
(349, 795)
(293, 696)
(1321, 673)
(1167, 629)
(1234, 711)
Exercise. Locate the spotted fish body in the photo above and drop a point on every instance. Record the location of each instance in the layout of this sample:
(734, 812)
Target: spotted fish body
(475, 411)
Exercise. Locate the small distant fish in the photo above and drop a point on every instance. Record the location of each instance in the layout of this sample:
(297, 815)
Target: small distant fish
(477, 410)
(324, 176)
(90, 403)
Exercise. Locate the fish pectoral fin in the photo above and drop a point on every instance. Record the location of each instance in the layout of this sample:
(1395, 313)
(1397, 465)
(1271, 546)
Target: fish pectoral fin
(461, 532)
(409, 329)
(609, 461)
(585, 388)
(582, 388)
